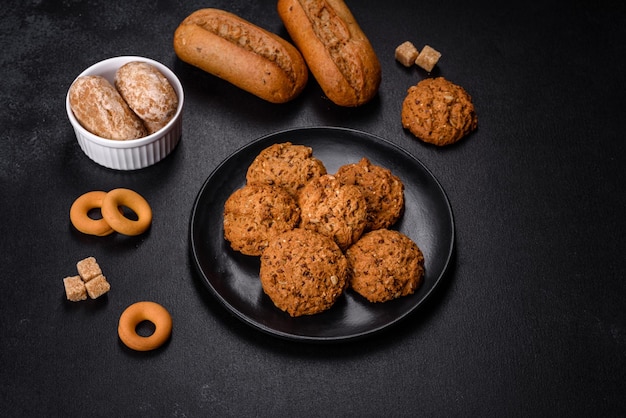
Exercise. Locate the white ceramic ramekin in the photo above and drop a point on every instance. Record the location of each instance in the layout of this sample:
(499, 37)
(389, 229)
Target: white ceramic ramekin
(135, 153)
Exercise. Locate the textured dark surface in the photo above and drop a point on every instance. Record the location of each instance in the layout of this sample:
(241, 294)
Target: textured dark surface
(530, 321)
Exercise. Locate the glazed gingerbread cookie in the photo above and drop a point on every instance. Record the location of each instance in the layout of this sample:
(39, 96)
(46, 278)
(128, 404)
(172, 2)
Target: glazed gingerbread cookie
(438, 112)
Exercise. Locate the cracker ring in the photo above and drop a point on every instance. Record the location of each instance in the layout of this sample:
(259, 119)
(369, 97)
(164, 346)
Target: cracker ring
(132, 200)
(79, 214)
(144, 311)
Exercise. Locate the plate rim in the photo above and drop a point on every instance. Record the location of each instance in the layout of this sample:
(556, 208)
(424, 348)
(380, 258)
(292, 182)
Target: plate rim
(308, 338)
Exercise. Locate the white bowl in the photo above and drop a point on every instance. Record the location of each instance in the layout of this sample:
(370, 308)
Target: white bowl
(134, 153)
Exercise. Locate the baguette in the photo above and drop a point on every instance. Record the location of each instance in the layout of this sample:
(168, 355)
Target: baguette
(334, 47)
(251, 58)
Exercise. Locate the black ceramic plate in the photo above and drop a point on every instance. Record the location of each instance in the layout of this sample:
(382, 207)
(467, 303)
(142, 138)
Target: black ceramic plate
(234, 278)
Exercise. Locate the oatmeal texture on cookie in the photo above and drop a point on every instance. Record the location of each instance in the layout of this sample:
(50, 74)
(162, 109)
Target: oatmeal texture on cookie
(383, 191)
(438, 111)
(286, 165)
(385, 265)
(303, 272)
(331, 208)
(256, 213)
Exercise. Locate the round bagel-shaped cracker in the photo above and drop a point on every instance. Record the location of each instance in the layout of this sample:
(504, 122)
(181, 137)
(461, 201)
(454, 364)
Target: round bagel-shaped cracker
(79, 214)
(144, 311)
(117, 198)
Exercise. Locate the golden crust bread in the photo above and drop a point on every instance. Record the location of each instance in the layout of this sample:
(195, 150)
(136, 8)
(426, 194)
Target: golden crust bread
(100, 109)
(334, 47)
(251, 58)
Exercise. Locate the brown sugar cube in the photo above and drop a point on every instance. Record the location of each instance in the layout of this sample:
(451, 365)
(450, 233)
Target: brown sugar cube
(88, 268)
(74, 288)
(97, 286)
(406, 54)
(428, 58)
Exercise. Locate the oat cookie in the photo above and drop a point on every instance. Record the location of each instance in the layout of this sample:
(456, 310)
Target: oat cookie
(286, 165)
(303, 272)
(438, 111)
(256, 213)
(383, 191)
(385, 265)
(331, 208)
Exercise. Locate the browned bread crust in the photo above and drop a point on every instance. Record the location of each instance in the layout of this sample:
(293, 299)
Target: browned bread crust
(335, 48)
(251, 58)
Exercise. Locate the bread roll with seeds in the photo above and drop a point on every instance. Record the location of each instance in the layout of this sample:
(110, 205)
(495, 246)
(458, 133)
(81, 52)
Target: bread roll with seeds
(251, 58)
(334, 47)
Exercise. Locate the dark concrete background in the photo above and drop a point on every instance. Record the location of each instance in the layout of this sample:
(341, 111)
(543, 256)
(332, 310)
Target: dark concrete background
(530, 321)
